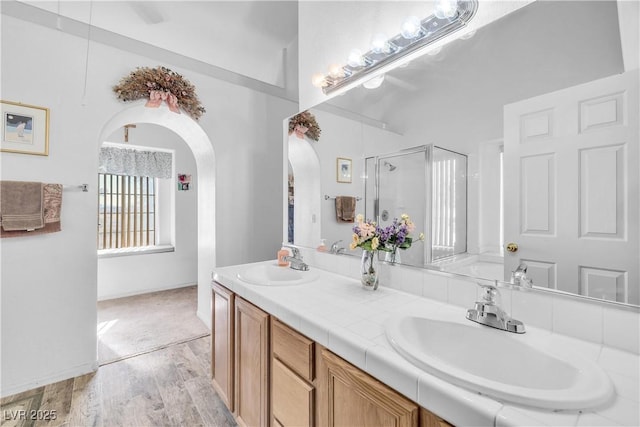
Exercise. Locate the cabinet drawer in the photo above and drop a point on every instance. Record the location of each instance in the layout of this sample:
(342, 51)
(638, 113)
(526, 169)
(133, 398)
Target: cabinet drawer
(293, 399)
(429, 419)
(293, 349)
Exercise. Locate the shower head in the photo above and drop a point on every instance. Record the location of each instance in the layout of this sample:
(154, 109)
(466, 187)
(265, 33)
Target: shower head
(389, 166)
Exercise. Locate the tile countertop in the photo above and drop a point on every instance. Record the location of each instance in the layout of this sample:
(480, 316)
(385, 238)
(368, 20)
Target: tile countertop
(339, 314)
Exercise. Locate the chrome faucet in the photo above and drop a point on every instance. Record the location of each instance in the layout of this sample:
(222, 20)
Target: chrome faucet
(295, 259)
(488, 312)
(335, 248)
(519, 276)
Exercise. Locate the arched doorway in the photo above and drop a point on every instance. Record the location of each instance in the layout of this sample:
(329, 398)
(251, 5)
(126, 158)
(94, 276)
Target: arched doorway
(201, 147)
(307, 212)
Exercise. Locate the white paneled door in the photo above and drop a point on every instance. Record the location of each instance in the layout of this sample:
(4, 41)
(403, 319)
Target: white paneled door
(571, 163)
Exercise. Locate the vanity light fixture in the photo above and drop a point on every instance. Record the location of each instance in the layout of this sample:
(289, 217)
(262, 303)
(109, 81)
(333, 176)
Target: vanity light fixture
(448, 17)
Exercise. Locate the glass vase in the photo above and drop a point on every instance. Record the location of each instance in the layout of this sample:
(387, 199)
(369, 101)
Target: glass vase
(393, 256)
(369, 270)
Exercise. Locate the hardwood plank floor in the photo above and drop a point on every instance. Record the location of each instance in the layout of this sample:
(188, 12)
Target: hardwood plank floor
(154, 370)
(167, 387)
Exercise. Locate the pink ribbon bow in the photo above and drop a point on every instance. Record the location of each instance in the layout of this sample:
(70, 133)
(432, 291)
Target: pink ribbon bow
(300, 130)
(157, 96)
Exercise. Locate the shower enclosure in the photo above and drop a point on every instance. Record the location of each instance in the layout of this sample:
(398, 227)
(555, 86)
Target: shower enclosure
(429, 184)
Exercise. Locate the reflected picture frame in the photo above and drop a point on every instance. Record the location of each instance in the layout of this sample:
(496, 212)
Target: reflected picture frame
(343, 169)
(25, 128)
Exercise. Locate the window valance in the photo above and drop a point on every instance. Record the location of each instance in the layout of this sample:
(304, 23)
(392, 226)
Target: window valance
(134, 162)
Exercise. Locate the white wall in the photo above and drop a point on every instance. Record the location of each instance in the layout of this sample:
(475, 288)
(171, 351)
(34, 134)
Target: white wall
(48, 319)
(140, 273)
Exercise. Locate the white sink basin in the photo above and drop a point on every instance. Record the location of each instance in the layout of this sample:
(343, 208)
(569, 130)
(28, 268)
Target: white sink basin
(520, 369)
(274, 275)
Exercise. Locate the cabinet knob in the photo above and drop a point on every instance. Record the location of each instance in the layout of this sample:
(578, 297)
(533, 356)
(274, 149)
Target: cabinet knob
(512, 247)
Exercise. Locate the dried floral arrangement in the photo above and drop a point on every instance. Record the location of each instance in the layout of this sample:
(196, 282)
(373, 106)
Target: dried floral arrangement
(304, 124)
(158, 84)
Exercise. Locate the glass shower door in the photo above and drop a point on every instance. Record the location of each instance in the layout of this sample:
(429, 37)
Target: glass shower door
(402, 189)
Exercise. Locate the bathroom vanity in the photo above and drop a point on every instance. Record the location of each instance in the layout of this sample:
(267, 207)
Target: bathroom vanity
(267, 373)
(312, 350)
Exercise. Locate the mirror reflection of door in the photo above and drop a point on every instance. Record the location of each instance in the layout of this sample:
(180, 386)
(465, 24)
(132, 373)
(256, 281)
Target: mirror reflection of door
(572, 205)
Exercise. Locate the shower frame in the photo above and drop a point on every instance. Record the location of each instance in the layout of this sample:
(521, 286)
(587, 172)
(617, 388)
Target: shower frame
(427, 150)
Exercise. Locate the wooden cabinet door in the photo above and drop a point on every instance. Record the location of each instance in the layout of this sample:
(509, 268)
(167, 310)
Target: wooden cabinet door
(350, 397)
(251, 365)
(222, 338)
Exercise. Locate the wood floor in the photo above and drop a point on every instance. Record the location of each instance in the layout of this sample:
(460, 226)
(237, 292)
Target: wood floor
(169, 386)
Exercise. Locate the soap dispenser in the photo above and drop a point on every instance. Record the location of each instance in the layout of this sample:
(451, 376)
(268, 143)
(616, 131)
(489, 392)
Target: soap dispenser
(282, 253)
(322, 247)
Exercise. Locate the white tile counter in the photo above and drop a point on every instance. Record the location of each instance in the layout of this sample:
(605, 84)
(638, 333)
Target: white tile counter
(339, 314)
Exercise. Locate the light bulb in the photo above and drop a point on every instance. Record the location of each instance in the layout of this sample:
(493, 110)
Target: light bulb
(379, 43)
(355, 58)
(374, 83)
(336, 71)
(318, 80)
(446, 9)
(411, 27)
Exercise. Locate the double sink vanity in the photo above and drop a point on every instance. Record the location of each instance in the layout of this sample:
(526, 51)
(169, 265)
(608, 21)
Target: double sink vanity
(294, 348)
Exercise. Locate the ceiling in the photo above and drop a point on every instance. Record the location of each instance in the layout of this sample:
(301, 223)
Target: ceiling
(248, 38)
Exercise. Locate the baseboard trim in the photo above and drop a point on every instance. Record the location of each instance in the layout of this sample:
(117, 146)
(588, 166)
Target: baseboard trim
(76, 371)
(143, 291)
(206, 318)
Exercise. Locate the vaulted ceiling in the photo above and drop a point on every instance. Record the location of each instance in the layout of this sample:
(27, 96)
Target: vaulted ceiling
(253, 39)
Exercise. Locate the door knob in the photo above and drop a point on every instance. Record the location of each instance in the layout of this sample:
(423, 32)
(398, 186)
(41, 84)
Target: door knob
(512, 247)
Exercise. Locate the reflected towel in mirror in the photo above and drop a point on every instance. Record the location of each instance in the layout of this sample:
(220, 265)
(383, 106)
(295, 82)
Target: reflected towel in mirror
(345, 208)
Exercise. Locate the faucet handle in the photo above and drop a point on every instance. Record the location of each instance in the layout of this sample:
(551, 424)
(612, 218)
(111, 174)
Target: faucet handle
(490, 294)
(334, 247)
(295, 252)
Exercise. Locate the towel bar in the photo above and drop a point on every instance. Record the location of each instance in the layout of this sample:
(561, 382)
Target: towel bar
(83, 187)
(327, 197)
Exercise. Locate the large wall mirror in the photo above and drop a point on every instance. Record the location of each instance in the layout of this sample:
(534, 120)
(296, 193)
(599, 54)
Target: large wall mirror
(524, 135)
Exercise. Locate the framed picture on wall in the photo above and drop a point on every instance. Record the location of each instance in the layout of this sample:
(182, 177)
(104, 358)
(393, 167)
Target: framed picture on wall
(343, 169)
(25, 129)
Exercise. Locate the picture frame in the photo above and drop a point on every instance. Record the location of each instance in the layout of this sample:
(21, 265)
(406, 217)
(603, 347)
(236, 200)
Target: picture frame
(25, 128)
(184, 182)
(343, 169)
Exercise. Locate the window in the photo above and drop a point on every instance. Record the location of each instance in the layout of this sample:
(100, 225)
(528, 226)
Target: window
(131, 197)
(126, 211)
